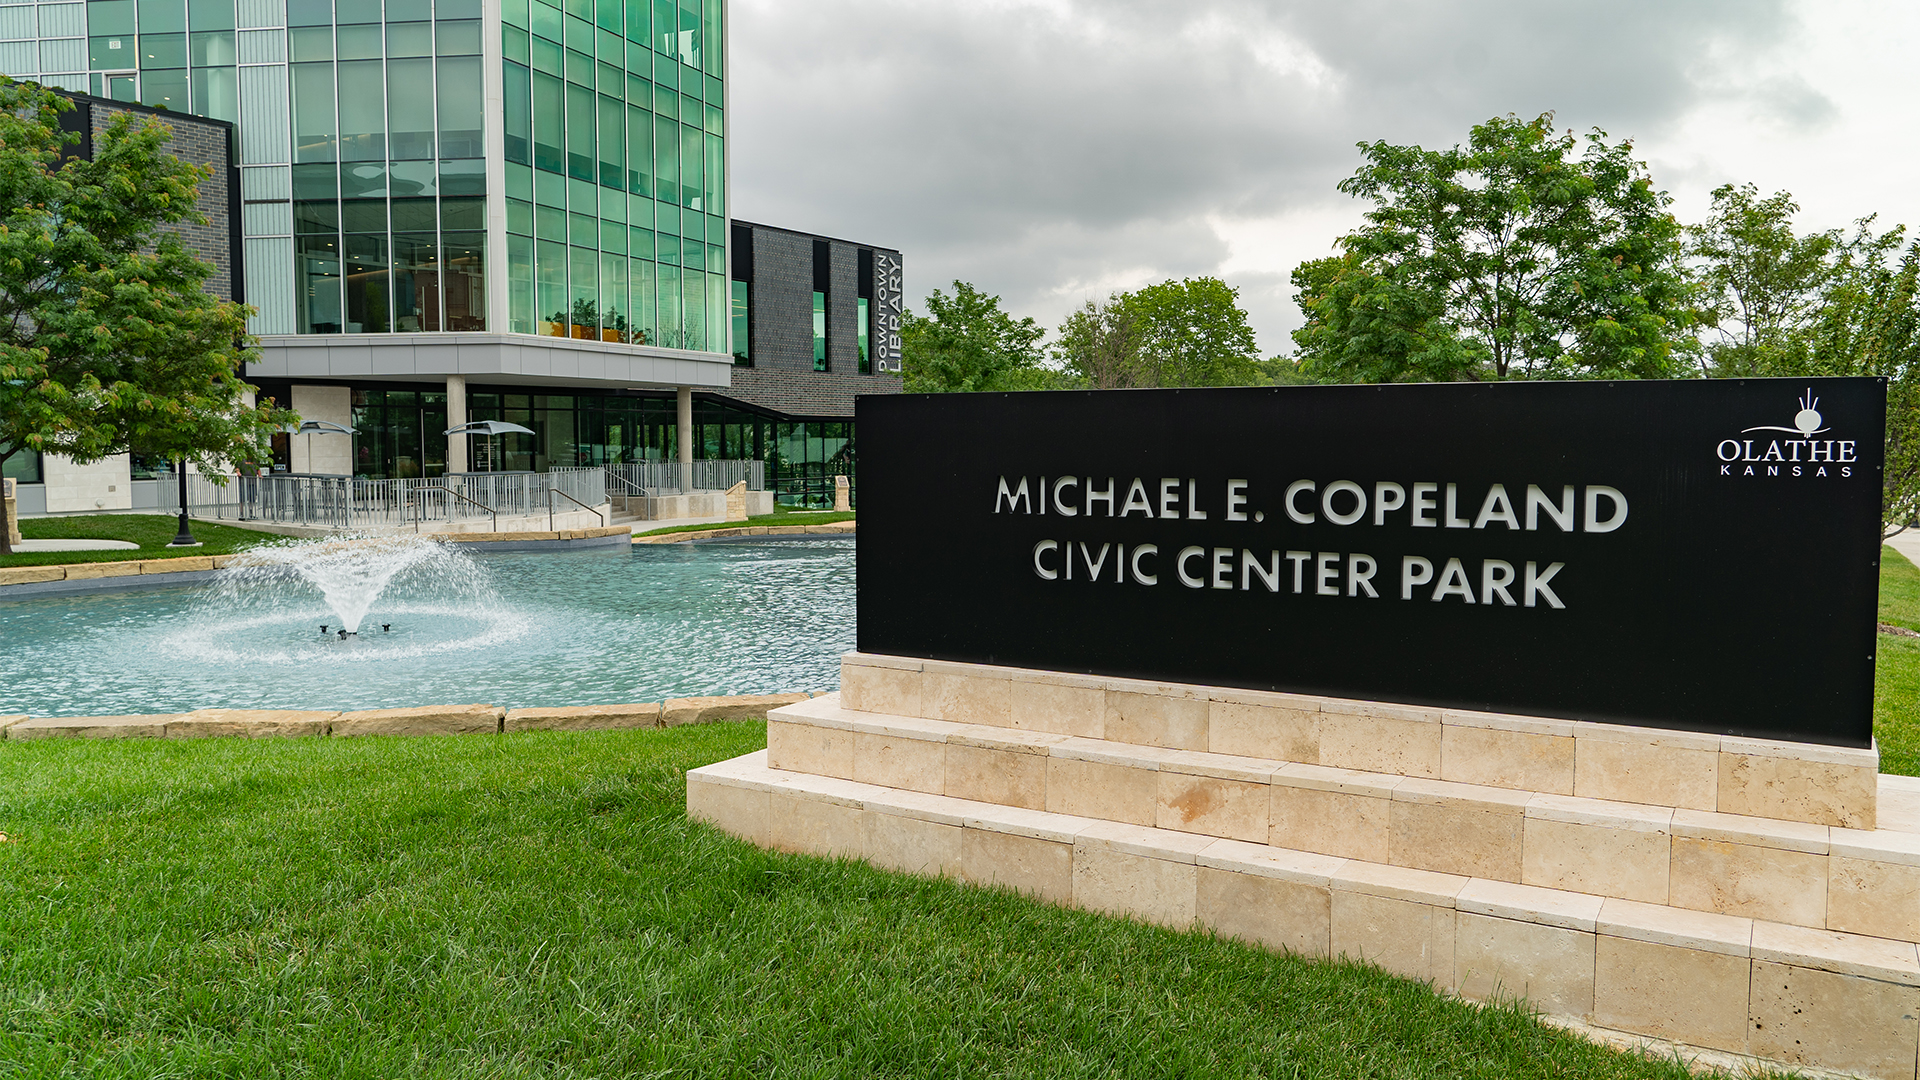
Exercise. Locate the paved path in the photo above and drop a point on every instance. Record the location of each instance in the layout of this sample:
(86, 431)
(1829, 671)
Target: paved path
(1908, 544)
(76, 545)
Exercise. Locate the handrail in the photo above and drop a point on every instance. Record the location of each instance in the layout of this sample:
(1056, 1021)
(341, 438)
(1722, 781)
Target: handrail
(496, 514)
(552, 491)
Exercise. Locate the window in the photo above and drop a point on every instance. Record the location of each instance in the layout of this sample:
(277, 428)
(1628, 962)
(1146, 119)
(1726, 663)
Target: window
(860, 326)
(822, 284)
(863, 312)
(742, 324)
(23, 465)
(819, 331)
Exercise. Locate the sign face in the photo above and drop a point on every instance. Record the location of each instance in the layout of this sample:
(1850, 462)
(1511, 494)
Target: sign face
(1699, 555)
(889, 300)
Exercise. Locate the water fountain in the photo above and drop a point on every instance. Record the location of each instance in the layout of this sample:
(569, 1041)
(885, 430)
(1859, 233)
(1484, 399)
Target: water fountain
(433, 622)
(351, 572)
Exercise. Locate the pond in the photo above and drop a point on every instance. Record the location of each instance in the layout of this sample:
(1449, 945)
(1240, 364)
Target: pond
(509, 629)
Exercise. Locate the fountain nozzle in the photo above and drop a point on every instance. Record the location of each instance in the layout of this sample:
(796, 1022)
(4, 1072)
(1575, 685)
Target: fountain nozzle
(323, 629)
(386, 628)
(345, 634)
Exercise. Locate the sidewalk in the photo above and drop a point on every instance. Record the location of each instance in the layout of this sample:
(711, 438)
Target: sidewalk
(1908, 544)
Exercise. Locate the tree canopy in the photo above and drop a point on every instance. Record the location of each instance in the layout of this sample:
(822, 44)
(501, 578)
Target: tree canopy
(968, 342)
(1190, 332)
(108, 340)
(1512, 257)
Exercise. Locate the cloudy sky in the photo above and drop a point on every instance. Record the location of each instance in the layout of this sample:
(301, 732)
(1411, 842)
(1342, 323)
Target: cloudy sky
(1055, 150)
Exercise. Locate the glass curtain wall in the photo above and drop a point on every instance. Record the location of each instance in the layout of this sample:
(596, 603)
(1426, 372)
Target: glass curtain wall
(616, 169)
(802, 457)
(175, 54)
(389, 176)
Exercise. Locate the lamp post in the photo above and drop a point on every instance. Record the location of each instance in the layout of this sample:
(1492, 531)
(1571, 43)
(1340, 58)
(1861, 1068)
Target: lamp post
(183, 538)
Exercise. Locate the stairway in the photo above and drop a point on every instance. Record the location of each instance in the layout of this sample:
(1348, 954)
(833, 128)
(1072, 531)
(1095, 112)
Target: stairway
(1473, 851)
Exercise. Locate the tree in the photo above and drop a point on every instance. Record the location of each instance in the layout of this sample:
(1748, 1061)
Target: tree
(1099, 346)
(966, 342)
(108, 340)
(1193, 333)
(1511, 258)
(1816, 305)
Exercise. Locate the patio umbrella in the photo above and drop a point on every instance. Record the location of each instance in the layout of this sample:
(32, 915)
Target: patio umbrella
(489, 428)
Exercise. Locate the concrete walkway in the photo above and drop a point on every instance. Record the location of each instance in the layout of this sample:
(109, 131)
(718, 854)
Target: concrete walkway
(1908, 544)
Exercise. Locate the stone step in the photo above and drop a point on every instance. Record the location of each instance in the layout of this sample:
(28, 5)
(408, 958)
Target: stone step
(1817, 876)
(1790, 781)
(1618, 968)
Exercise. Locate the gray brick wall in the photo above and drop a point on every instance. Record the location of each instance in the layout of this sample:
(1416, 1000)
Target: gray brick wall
(782, 376)
(201, 142)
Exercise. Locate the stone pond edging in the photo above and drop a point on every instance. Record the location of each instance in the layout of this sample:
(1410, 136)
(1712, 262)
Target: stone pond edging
(834, 528)
(424, 720)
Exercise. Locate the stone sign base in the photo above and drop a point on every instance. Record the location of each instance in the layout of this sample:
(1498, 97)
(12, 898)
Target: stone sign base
(1727, 895)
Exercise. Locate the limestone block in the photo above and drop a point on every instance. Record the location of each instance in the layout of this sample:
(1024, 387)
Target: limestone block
(249, 723)
(1059, 707)
(913, 845)
(1479, 753)
(1661, 768)
(1278, 727)
(1402, 936)
(842, 494)
(707, 710)
(866, 687)
(85, 571)
(1398, 918)
(1213, 806)
(1332, 811)
(92, 727)
(1550, 966)
(1380, 738)
(810, 748)
(1097, 789)
(1840, 1022)
(1155, 719)
(896, 761)
(176, 566)
(737, 502)
(1280, 899)
(1478, 836)
(1004, 777)
(739, 810)
(1608, 849)
(1755, 882)
(427, 720)
(965, 698)
(1041, 868)
(26, 575)
(1873, 896)
(1828, 786)
(816, 824)
(8, 721)
(584, 718)
(1843, 954)
(1108, 879)
(1527, 903)
(1687, 995)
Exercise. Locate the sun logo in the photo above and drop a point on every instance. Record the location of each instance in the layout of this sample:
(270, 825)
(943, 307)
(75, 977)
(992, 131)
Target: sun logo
(1805, 422)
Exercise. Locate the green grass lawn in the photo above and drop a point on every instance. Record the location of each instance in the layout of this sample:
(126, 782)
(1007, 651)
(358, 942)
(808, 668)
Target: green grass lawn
(538, 905)
(151, 531)
(779, 517)
(1896, 667)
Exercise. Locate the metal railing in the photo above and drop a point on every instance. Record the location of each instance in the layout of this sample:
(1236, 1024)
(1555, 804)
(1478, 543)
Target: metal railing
(673, 478)
(345, 502)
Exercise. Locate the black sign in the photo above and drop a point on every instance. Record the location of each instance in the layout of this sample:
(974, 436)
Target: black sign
(1700, 555)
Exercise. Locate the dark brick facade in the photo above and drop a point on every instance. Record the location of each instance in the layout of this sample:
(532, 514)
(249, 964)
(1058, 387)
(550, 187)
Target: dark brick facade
(781, 318)
(200, 141)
